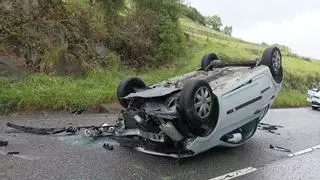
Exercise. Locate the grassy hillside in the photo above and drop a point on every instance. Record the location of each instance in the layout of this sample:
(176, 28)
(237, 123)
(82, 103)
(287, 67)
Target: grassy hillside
(43, 91)
(300, 72)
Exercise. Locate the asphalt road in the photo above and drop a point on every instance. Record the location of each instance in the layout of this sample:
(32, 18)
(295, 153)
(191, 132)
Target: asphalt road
(75, 157)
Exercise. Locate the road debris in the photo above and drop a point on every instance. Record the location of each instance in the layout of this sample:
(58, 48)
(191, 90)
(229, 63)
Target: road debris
(41, 131)
(107, 147)
(269, 128)
(279, 148)
(78, 111)
(3, 143)
(13, 153)
(50, 131)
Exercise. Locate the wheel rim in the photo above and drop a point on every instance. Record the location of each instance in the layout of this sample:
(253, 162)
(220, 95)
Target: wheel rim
(203, 102)
(276, 61)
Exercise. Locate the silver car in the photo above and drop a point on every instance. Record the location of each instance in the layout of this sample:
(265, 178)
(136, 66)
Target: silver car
(314, 96)
(220, 104)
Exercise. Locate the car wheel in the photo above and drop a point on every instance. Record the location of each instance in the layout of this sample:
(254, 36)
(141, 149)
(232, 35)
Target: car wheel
(273, 59)
(127, 86)
(198, 107)
(207, 59)
(314, 108)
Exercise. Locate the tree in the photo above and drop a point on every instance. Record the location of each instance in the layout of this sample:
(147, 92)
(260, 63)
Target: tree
(214, 22)
(227, 30)
(193, 14)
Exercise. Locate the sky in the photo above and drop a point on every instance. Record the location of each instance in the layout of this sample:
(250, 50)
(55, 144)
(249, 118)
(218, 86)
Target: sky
(295, 23)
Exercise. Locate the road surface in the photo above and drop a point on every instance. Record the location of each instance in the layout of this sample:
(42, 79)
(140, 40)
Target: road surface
(75, 157)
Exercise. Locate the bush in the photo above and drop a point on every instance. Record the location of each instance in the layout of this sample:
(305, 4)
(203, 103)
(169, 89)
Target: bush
(193, 14)
(55, 35)
(40, 32)
(135, 38)
(149, 34)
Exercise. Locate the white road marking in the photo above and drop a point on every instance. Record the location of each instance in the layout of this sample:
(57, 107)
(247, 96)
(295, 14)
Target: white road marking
(235, 174)
(304, 151)
(20, 156)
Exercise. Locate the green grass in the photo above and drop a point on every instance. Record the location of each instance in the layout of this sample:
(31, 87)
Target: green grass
(290, 98)
(40, 91)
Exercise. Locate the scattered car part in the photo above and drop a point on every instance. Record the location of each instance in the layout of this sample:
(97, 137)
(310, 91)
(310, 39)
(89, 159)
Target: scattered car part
(269, 127)
(220, 104)
(13, 153)
(48, 131)
(169, 129)
(78, 111)
(107, 147)
(279, 148)
(43, 131)
(3, 143)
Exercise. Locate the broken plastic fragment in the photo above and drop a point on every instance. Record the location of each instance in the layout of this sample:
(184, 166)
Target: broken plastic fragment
(107, 146)
(269, 128)
(3, 143)
(279, 148)
(13, 153)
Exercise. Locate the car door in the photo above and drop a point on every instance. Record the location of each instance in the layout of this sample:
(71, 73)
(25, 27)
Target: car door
(242, 102)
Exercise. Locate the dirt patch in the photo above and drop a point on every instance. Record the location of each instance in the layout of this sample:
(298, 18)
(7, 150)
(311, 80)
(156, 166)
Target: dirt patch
(49, 37)
(10, 65)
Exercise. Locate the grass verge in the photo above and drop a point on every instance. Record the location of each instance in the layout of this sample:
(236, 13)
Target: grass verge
(39, 91)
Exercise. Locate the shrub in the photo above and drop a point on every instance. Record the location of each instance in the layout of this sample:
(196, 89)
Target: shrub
(148, 34)
(193, 14)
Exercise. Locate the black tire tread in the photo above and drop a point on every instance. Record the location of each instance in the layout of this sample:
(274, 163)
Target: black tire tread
(187, 111)
(267, 60)
(207, 59)
(126, 86)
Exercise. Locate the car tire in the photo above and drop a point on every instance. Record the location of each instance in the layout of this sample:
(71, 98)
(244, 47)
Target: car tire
(198, 107)
(127, 86)
(207, 59)
(273, 59)
(314, 108)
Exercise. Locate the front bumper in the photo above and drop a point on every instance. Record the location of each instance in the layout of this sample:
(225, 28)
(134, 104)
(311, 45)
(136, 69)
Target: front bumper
(315, 102)
(151, 143)
(173, 155)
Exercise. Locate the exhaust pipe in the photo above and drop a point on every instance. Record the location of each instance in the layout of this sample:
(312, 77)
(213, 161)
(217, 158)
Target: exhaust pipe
(171, 131)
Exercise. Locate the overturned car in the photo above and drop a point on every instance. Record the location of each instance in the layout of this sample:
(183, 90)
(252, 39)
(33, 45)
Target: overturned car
(220, 104)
